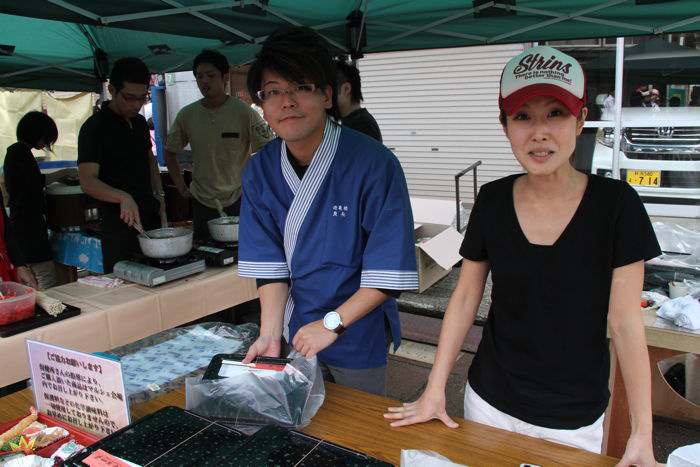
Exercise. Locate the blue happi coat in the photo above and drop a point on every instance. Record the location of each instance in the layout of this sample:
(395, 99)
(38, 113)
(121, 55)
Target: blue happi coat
(347, 224)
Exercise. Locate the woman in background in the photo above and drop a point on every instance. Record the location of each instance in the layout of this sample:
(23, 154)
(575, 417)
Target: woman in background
(25, 186)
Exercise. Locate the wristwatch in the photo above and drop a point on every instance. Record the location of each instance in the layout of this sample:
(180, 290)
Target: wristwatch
(333, 322)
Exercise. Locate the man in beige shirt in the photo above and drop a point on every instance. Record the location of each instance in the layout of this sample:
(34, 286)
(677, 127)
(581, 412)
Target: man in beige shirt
(222, 131)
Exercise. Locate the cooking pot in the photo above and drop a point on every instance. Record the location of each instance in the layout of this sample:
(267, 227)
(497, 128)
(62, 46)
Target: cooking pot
(224, 229)
(168, 242)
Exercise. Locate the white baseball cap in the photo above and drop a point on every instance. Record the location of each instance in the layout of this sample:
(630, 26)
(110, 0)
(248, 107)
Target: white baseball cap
(542, 71)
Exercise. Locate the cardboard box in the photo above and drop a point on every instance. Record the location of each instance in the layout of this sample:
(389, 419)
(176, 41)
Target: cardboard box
(437, 241)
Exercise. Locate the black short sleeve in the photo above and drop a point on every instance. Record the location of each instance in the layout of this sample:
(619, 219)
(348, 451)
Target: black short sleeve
(635, 239)
(474, 245)
(90, 142)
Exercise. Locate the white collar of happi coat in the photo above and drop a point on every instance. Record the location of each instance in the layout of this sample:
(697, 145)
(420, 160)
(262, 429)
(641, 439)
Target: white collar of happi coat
(305, 190)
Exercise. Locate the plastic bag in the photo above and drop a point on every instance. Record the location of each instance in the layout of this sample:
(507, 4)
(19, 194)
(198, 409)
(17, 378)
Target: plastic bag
(288, 398)
(680, 246)
(417, 458)
(160, 363)
(685, 456)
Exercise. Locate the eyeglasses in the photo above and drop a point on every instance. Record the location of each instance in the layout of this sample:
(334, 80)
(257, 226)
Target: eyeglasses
(275, 95)
(131, 98)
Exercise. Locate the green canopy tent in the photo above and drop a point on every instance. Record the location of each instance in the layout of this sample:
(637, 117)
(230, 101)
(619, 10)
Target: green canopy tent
(68, 44)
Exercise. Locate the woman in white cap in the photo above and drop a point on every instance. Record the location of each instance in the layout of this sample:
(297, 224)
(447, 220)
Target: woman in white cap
(566, 253)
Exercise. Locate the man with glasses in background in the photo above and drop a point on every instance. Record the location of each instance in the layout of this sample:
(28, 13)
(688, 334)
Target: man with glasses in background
(116, 164)
(222, 132)
(326, 224)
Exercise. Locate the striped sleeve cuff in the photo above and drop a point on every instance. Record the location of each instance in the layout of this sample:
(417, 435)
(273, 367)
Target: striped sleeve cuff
(263, 270)
(387, 279)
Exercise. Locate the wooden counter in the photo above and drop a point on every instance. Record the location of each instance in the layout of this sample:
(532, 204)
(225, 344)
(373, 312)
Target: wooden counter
(354, 419)
(113, 317)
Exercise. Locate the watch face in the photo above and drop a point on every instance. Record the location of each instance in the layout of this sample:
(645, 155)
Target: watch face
(331, 321)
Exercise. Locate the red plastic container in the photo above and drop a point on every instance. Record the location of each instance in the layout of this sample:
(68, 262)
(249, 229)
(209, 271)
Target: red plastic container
(79, 436)
(19, 302)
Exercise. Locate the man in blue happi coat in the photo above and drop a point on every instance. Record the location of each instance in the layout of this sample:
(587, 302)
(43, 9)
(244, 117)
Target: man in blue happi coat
(326, 225)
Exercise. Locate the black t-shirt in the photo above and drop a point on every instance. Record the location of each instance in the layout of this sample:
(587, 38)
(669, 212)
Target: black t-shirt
(25, 188)
(363, 121)
(544, 357)
(122, 150)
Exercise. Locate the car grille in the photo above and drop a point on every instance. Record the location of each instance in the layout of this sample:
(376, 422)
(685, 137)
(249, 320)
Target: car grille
(662, 156)
(664, 136)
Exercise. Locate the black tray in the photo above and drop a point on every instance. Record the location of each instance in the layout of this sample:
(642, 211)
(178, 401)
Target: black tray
(176, 437)
(40, 318)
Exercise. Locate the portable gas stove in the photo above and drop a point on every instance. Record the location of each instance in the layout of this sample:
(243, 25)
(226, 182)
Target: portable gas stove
(217, 253)
(151, 272)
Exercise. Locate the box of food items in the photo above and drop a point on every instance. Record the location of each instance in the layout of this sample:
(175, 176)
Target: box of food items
(38, 440)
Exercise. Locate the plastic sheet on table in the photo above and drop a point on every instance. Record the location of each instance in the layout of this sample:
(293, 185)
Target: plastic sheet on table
(288, 398)
(160, 363)
(680, 246)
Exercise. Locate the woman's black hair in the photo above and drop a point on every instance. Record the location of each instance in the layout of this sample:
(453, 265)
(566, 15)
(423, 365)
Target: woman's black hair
(299, 55)
(37, 127)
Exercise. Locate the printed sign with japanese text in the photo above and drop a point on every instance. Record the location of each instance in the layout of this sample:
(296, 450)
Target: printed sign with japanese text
(84, 390)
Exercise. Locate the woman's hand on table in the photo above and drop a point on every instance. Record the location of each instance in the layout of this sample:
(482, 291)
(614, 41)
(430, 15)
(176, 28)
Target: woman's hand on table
(26, 276)
(430, 405)
(639, 452)
(264, 346)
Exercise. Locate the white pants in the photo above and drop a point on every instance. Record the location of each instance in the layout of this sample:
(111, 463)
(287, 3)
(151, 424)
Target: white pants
(478, 410)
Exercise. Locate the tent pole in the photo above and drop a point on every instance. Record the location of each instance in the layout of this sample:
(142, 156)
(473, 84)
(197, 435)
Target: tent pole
(293, 22)
(619, 73)
(76, 9)
(438, 32)
(425, 27)
(45, 66)
(168, 12)
(558, 18)
(212, 21)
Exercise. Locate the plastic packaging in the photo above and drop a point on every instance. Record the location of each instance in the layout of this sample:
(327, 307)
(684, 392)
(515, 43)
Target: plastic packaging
(680, 246)
(17, 303)
(685, 456)
(160, 363)
(288, 398)
(418, 458)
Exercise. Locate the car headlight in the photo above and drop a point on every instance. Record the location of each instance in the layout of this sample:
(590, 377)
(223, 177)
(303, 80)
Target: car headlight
(605, 136)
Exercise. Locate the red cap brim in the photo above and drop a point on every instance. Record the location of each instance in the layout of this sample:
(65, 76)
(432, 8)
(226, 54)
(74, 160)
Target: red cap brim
(516, 100)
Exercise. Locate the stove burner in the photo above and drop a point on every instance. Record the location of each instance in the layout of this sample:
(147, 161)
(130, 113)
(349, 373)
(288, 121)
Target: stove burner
(166, 263)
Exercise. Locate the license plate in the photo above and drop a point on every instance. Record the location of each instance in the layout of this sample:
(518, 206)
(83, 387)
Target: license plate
(644, 177)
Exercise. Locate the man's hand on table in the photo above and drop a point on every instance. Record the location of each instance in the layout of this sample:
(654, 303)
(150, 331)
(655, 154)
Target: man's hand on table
(312, 338)
(264, 346)
(430, 405)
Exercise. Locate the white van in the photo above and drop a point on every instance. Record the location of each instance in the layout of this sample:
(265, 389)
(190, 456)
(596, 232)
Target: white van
(659, 154)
